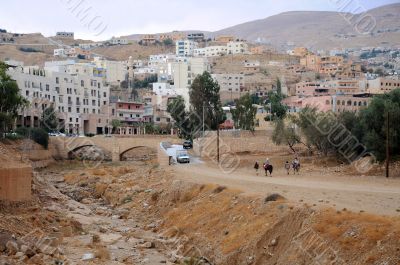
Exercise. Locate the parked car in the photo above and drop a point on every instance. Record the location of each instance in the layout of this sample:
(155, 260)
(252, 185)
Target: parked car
(187, 144)
(182, 157)
(56, 134)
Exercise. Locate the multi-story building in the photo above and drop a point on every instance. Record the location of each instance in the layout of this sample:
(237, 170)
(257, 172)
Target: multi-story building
(156, 59)
(257, 50)
(312, 89)
(300, 51)
(251, 67)
(210, 51)
(163, 89)
(231, 86)
(382, 85)
(237, 47)
(334, 103)
(230, 82)
(185, 71)
(347, 87)
(64, 34)
(185, 48)
(148, 39)
(114, 71)
(198, 37)
(65, 52)
(78, 99)
(118, 41)
(176, 35)
(224, 39)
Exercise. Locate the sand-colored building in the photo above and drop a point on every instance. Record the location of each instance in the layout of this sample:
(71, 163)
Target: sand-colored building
(224, 39)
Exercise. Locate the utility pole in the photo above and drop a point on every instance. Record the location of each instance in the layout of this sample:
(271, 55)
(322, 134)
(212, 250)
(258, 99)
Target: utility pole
(203, 118)
(387, 145)
(218, 143)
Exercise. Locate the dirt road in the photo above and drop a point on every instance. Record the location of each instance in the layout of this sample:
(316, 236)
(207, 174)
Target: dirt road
(370, 194)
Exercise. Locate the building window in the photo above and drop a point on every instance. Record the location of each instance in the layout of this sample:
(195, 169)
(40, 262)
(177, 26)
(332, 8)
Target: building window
(82, 83)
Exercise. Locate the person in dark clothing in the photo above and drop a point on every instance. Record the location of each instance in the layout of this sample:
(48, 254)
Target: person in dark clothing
(256, 167)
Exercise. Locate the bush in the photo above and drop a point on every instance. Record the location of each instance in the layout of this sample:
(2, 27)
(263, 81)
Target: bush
(12, 136)
(38, 135)
(28, 49)
(23, 131)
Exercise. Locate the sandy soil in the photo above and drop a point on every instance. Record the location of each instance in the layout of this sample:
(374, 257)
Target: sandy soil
(318, 189)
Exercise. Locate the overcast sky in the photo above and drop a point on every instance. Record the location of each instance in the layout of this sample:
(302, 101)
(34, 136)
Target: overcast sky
(102, 19)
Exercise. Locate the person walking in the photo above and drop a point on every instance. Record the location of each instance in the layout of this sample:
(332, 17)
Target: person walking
(256, 167)
(287, 167)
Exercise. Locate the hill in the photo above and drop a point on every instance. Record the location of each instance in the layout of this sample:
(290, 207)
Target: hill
(320, 29)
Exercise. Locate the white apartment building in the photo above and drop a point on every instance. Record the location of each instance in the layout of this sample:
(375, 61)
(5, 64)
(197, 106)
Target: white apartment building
(237, 47)
(162, 65)
(162, 89)
(211, 51)
(185, 48)
(64, 34)
(115, 71)
(118, 41)
(59, 52)
(80, 100)
(88, 46)
(65, 52)
(155, 60)
(230, 82)
(185, 71)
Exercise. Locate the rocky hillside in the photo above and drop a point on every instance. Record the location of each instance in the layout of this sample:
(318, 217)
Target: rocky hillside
(321, 29)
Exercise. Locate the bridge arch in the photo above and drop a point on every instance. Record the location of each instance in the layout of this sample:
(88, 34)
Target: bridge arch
(148, 150)
(97, 153)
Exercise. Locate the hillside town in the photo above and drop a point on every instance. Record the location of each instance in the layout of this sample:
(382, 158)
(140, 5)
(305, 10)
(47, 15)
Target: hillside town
(268, 136)
(89, 96)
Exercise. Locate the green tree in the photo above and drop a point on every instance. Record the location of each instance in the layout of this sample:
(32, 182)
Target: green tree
(244, 114)
(285, 134)
(278, 86)
(168, 42)
(275, 107)
(49, 120)
(371, 125)
(10, 100)
(255, 99)
(204, 92)
(312, 125)
(177, 110)
(115, 124)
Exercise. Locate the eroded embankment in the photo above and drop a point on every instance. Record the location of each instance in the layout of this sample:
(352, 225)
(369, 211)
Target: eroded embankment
(227, 227)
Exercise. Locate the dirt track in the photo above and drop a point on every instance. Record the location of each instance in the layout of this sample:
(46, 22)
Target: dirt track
(370, 194)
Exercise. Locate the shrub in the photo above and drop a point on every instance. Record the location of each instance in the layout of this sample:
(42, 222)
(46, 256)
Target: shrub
(28, 49)
(38, 135)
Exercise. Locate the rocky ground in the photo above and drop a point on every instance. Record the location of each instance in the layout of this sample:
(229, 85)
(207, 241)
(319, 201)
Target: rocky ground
(139, 213)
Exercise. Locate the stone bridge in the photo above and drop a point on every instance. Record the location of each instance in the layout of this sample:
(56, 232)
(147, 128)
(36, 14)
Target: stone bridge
(62, 147)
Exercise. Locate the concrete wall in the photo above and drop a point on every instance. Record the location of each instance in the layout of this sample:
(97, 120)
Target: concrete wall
(236, 142)
(15, 183)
